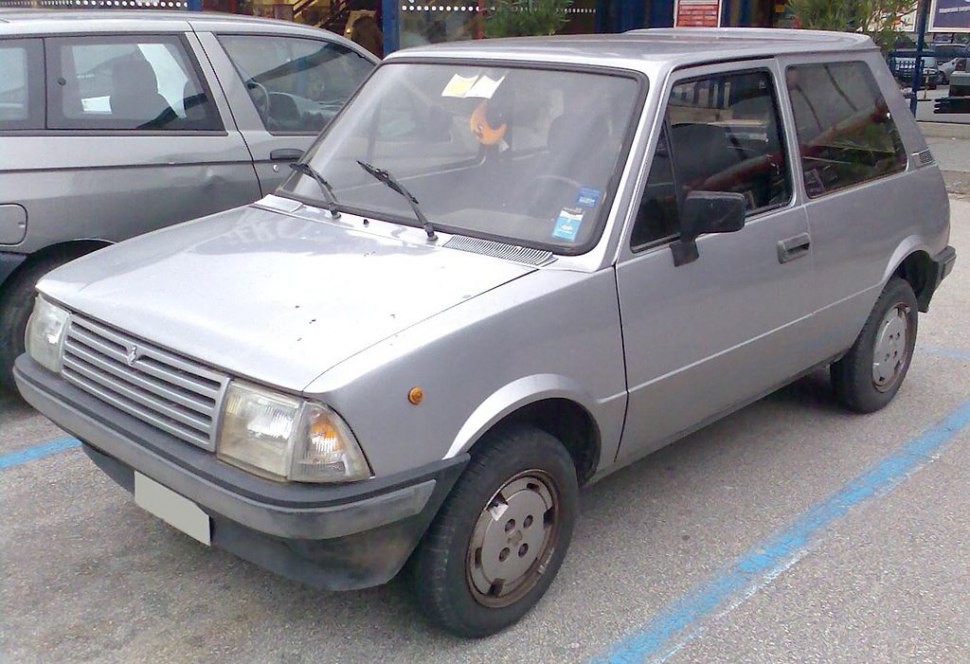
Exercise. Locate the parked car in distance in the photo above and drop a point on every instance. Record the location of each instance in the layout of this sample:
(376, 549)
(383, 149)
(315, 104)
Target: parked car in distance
(619, 240)
(903, 61)
(113, 124)
(954, 65)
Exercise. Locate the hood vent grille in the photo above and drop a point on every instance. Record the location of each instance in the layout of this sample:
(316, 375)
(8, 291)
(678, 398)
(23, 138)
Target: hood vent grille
(923, 158)
(512, 252)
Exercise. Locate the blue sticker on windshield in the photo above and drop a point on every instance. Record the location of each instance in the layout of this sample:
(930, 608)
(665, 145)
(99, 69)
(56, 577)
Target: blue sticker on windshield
(587, 197)
(567, 225)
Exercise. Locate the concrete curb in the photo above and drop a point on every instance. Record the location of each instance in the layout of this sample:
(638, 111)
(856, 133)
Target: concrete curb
(945, 129)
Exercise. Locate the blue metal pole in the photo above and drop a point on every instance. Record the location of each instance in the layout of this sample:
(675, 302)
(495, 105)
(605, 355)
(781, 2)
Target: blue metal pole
(661, 14)
(392, 25)
(924, 13)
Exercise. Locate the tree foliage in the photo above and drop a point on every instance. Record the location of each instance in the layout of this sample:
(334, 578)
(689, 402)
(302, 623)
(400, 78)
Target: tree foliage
(523, 18)
(880, 19)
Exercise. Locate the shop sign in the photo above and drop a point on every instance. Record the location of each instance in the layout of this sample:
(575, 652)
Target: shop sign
(949, 16)
(697, 14)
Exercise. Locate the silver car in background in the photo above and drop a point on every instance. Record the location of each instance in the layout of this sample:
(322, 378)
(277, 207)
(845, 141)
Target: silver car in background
(505, 270)
(117, 123)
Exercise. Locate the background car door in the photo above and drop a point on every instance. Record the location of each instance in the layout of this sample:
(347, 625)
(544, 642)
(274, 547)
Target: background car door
(708, 335)
(284, 91)
(135, 139)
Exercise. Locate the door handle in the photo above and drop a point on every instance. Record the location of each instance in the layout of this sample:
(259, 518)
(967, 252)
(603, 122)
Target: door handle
(285, 154)
(794, 247)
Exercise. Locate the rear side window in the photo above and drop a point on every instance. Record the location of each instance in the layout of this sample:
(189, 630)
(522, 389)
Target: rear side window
(297, 85)
(138, 82)
(846, 134)
(21, 84)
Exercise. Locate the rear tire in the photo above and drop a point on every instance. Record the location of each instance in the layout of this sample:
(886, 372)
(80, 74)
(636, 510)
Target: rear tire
(16, 304)
(870, 374)
(501, 535)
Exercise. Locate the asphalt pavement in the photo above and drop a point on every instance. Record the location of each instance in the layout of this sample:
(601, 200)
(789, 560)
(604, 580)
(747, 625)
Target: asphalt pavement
(792, 531)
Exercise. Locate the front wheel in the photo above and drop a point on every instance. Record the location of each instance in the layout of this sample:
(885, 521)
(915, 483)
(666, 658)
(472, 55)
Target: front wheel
(500, 536)
(870, 374)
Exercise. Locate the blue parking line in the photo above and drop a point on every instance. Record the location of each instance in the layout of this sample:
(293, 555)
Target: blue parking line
(37, 452)
(944, 352)
(680, 621)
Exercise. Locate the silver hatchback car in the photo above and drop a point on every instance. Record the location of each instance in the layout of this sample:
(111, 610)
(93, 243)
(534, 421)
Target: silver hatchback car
(117, 123)
(505, 270)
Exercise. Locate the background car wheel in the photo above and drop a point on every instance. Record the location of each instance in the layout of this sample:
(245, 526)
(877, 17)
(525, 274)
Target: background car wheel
(16, 303)
(500, 536)
(870, 374)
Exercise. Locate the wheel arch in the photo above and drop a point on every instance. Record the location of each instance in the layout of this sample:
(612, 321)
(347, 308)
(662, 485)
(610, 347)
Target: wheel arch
(555, 404)
(918, 270)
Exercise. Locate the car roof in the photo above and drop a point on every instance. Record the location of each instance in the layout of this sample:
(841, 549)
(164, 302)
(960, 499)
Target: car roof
(643, 49)
(30, 22)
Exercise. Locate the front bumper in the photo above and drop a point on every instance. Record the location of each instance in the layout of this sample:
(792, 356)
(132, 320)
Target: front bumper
(335, 537)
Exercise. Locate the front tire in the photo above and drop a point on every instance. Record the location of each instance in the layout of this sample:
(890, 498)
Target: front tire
(870, 374)
(501, 535)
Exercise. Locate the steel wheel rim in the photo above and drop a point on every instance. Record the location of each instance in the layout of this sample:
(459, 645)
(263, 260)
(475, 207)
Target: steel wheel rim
(890, 350)
(513, 540)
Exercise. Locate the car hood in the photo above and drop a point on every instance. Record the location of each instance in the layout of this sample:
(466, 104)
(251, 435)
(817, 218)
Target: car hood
(276, 298)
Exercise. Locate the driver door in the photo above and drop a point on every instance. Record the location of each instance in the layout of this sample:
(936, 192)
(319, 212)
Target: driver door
(710, 335)
(283, 90)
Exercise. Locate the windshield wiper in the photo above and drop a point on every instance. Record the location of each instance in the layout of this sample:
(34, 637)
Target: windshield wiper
(308, 170)
(392, 183)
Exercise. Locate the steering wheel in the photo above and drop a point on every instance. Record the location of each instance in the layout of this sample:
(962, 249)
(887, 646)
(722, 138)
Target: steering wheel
(545, 187)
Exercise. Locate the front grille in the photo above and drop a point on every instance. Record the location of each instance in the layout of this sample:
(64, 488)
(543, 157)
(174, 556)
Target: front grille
(173, 394)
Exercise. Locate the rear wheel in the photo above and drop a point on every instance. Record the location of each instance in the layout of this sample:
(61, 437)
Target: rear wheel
(500, 536)
(870, 374)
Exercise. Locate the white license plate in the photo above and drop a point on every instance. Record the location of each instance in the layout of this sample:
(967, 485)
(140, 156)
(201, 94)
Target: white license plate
(175, 510)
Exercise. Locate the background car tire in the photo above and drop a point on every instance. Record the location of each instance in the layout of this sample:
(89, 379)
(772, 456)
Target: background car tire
(16, 303)
(447, 572)
(891, 330)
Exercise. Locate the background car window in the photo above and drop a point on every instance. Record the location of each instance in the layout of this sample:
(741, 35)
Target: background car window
(297, 85)
(724, 135)
(846, 134)
(143, 82)
(21, 84)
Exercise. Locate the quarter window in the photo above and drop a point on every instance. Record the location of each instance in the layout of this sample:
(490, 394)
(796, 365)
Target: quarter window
(846, 134)
(721, 133)
(126, 83)
(297, 85)
(21, 84)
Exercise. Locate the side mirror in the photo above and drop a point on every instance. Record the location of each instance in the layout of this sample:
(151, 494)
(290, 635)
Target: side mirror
(706, 212)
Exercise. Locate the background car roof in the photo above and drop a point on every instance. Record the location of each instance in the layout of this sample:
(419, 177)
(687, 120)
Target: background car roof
(24, 22)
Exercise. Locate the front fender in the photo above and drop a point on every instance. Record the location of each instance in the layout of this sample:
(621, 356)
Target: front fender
(532, 389)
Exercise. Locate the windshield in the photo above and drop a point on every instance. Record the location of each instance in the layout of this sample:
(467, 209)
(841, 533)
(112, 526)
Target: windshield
(520, 155)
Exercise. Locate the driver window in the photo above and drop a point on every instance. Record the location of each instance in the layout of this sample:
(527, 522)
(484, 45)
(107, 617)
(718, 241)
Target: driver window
(297, 85)
(724, 135)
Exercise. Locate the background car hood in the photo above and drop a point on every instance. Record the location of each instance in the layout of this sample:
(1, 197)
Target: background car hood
(276, 298)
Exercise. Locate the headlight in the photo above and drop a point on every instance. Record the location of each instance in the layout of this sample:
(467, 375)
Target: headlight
(284, 438)
(45, 333)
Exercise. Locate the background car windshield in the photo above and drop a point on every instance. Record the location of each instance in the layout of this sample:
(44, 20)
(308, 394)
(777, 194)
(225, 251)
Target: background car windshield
(520, 155)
